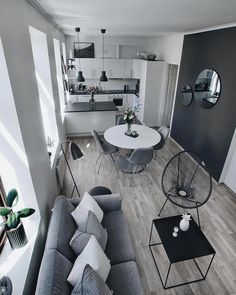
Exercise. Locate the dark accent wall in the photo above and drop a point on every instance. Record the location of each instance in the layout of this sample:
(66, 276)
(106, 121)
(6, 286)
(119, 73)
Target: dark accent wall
(208, 131)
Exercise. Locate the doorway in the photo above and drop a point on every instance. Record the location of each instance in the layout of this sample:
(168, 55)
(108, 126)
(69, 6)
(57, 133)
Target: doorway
(172, 73)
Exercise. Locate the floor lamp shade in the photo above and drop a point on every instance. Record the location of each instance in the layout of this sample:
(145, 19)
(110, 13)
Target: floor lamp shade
(76, 154)
(75, 151)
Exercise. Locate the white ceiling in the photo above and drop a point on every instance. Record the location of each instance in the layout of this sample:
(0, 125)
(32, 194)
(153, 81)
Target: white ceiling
(140, 17)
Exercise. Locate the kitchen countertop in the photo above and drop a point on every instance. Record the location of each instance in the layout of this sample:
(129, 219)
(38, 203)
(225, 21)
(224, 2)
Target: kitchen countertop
(100, 106)
(104, 92)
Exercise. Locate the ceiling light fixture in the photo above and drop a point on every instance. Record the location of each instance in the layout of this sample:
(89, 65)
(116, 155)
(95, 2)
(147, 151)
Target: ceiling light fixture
(103, 76)
(80, 77)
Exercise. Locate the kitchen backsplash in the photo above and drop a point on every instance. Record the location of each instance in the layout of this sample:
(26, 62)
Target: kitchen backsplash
(110, 85)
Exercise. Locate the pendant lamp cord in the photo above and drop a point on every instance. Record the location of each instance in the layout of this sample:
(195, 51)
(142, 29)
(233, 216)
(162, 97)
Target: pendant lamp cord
(103, 50)
(78, 51)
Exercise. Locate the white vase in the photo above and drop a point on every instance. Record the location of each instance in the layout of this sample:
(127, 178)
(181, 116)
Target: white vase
(184, 225)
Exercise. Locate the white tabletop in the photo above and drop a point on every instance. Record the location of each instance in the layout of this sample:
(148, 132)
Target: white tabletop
(147, 137)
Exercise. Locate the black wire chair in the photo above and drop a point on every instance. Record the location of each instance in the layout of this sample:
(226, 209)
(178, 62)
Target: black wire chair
(186, 181)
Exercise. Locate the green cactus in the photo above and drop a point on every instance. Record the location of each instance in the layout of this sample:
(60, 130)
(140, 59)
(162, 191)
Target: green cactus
(12, 219)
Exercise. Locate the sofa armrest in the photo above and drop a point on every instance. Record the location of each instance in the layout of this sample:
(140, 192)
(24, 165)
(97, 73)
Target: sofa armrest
(107, 203)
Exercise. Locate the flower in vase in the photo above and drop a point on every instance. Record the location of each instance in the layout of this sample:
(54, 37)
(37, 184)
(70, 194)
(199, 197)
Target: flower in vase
(129, 115)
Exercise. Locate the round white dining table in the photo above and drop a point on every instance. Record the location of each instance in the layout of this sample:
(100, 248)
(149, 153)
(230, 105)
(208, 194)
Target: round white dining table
(147, 137)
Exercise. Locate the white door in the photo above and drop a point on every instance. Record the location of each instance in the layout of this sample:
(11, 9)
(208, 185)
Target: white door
(229, 172)
(170, 94)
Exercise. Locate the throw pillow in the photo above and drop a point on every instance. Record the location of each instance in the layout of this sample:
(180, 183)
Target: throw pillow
(93, 227)
(91, 283)
(80, 213)
(95, 257)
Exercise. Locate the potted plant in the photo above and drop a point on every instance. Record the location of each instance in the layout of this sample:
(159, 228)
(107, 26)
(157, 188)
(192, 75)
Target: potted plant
(129, 115)
(12, 220)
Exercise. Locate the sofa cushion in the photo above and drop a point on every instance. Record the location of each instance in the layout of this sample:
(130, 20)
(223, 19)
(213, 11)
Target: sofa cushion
(91, 283)
(80, 214)
(95, 257)
(93, 227)
(52, 280)
(61, 228)
(124, 279)
(119, 246)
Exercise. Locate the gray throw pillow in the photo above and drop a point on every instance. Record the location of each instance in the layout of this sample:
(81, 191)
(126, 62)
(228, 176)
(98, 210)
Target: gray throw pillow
(91, 283)
(93, 227)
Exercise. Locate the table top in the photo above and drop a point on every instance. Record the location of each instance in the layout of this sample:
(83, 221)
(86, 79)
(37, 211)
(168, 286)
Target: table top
(187, 245)
(147, 137)
(99, 106)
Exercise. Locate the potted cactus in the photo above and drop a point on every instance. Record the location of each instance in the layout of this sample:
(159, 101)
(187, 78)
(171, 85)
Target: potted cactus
(12, 220)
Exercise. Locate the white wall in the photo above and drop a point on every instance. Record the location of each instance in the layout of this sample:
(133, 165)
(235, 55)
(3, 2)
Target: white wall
(115, 47)
(15, 18)
(168, 48)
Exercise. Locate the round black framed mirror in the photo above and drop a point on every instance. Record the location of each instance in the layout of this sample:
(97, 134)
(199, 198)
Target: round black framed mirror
(207, 88)
(186, 95)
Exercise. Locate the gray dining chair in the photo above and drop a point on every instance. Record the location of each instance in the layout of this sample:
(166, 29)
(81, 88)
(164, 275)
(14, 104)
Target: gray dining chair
(136, 162)
(164, 133)
(103, 147)
(120, 120)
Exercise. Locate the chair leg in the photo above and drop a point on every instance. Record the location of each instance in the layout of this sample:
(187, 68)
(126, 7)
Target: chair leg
(112, 158)
(98, 158)
(146, 173)
(132, 177)
(100, 164)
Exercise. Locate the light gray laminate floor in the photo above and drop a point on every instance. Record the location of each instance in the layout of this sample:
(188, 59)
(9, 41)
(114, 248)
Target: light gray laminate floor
(142, 203)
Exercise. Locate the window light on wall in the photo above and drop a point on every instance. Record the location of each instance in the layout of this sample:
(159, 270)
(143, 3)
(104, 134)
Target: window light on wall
(43, 76)
(58, 61)
(15, 173)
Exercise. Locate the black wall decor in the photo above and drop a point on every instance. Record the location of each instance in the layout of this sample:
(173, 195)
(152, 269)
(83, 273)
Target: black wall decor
(83, 50)
(208, 131)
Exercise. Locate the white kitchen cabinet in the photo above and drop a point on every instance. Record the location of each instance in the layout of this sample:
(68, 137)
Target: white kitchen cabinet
(101, 97)
(97, 97)
(137, 65)
(84, 98)
(115, 68)
(91, 67)
(74, 98)
(128, 68)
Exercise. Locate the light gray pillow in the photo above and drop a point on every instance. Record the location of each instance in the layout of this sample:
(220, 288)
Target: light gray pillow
(92, 227)
(91, 283)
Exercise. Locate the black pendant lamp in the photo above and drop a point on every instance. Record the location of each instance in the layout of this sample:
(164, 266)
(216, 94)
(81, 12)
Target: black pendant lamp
(103, 76)
(80, 77)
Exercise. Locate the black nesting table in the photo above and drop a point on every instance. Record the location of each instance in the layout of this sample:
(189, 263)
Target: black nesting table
(187, 245)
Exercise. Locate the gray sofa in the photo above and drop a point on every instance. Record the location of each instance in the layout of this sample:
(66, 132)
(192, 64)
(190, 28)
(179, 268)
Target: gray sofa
(59, 257)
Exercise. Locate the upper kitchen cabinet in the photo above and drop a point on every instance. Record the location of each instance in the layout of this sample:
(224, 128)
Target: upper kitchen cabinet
(128, 68)
(136, 71)
(91, 67)
(114, 68)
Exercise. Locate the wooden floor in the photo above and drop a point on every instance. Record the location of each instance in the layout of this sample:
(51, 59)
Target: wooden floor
(141, 204)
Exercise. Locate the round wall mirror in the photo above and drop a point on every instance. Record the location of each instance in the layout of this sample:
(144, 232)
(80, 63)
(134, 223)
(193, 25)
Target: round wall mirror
(186, 95)
(207, 88)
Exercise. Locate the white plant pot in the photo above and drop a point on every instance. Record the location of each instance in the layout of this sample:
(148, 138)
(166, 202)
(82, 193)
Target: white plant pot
(184, 225)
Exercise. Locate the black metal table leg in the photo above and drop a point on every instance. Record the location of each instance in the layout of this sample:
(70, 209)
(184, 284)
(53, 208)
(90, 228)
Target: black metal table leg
(167, 276)
(150, 237)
